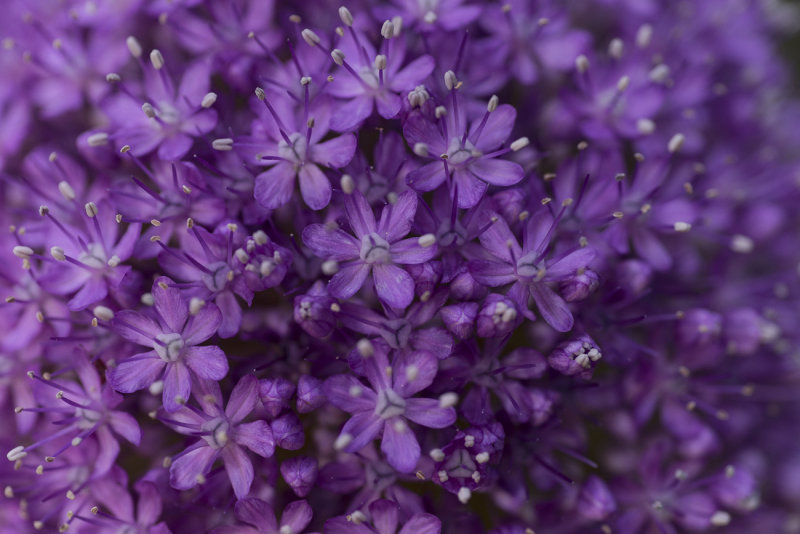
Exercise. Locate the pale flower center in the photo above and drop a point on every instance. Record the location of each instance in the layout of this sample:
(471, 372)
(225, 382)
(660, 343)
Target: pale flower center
(389, 404)
(375, 249)
(170, 347)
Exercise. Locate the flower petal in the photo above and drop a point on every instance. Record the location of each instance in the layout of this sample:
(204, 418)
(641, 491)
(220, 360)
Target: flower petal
(340, 525)
(243, 399)
(362, 427)
(257, 513)
(347, 393)
(239, 468)
(314, 186)
(413, 371)
(384, 516)
(394, 286)
(330, 244)
(136, 327)
(552, 307)
(207, 362)
(426, 178)
(497, 171)
(422, 524)
(256, 436)
(348, 280)
(427, 412)
(169, 305)
(177, 386)
(274, 187)
(203, 324)
(137, 372)
(350, 114)
(184, 470)
(335, 153)
(400, 445)
(296, 515)
(94, 290)
(359, 214)
(396, 219)
(409, 251)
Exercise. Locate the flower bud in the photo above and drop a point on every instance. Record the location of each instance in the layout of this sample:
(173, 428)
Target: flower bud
(300, 474)
(497, 317)
(579, 286)
(288, 432)
(309, 394)
(460, 318)
(275, 394)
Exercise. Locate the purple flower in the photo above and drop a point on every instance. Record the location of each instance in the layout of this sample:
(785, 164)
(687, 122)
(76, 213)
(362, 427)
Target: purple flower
(384, 516)
(255, 512)
(388, 403)
(173, 333)
(375, 248)
(223, 434)
(469, 155)
(529, 269)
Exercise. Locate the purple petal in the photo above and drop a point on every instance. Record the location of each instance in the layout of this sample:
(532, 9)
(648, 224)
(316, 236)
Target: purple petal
(340, 525)
(314, 186)
(396, 219)
(394, 286)
(571, 263)
(497, 171)
(651, 249)
(174, 147)
(389, 105)
(470, 189)
(347, 393)
(94, 290)
(148, 509)
(422, 524)
(239, 468)
(492, 273)
(350, 114)
(427, 412)
(257, 513)
(231, 314)
(435, 340)
(296, 515)
(274, 187)
(348, 280)
(126, 426)
(256, 436)
(426, 178)
(202, 325)
(184, 470)
(335, 153)
(108, 450)
(170, 305)
(384, 516)
(177, 386)
(195, 81)
(399, 445)
(413, 372)
(362, 427)
(359, 214)
(409, 251)
(496, 130)
(552, 307)
(207, 362)
(330, 244)
(243, 399)
(136, 327)
(137, 372)
(495, 239)
(412, 74)
(418, 129)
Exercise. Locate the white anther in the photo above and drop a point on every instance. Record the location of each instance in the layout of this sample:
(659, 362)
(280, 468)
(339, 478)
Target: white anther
(644, 35)
(147, 299)
(97, 139)
(380, 62)
(493, 102)
(113, 77)
(464, 495)
(582, 63)
(17, 453)
(681, 226)
(387, 30)
(482, 457)
(346, 16)
(355, 391)
(448, 400)
(58, 253)
(469, 441)
(305, 80)
(22, 252)
(676, 142)
(520, 143)
(8, 492)
(134, 47)
(286, 529)
(437, 455)
(208, 100)
(443, 476)
(149, 110)
(103, 313)
(338, 56)
(330, 267)
(260, 94)
(347, 183)
(659, 73)
(156, 388)
(157, 59)
(430, 17)
(66, 190)
(420, 149)
(476, 476)
(450, 80)
(310, 37)
(342, 441)
(260, 237)
(720, 518)
(427, 240)
(412, 372)
(645, 126)
(223, 144)
(615, 48)
(241, 255)
(91, 209)
(418, 96)
(623, 83)
(742, 244)
(77, 440)
(357, 517)
(365, 348)
(509, 315)
(70, 495)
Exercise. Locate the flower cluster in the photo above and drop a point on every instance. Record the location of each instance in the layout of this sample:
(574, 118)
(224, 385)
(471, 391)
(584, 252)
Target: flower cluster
(399, 267)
